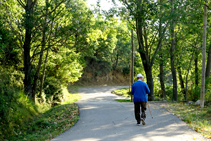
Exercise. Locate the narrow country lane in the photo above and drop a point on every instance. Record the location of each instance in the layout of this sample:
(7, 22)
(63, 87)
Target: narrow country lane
(104, 119)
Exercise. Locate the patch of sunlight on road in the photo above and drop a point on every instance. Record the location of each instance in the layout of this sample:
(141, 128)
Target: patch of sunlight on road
(88, 108)
(90, 139)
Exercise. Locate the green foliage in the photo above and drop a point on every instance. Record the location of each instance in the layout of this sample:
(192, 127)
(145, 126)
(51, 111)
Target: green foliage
(194, 94)
(9, 52)
(97, 67)
(21, 120)
(122, 92)
(208, 90)
(47, 125)
(15, 107)
(169, 92)
(196, 117)
(123, 100)
(53, 90)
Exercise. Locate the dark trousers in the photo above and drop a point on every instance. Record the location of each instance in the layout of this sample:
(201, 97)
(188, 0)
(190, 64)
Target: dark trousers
(137, 106)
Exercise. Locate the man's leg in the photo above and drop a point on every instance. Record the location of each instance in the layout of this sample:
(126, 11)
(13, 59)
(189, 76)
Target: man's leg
(137, 111)
(143, 113)
(143, 109)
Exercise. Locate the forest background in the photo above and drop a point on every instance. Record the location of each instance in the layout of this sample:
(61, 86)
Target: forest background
(46, 45)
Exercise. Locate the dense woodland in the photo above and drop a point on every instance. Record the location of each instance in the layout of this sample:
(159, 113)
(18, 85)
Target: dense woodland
(47, 44)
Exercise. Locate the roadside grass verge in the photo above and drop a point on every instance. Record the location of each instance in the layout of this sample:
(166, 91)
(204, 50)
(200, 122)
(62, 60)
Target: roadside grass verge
(122, 92)
(50, 123)
(123, 100)
(197, 118)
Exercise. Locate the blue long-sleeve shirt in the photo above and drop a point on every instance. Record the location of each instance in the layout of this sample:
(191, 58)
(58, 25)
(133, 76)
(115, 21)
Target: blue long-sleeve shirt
(140, 90)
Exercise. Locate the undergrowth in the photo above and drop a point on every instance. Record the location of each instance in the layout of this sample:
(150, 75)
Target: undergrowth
(30, 122)
(197, 118)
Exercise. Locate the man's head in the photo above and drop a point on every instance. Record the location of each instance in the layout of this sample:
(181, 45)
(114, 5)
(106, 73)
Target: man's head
(139, 76)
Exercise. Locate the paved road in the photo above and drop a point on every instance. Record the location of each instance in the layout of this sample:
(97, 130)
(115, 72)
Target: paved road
(104, 119)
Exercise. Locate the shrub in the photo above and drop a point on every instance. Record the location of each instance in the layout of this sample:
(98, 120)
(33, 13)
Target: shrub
(15, 107)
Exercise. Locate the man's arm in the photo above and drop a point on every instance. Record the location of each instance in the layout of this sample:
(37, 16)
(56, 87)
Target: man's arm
(147, 89)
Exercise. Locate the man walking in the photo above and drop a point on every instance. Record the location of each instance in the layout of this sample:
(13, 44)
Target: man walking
(139, 92)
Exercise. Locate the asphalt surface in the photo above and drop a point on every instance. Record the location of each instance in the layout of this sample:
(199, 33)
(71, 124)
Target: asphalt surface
(104, 119)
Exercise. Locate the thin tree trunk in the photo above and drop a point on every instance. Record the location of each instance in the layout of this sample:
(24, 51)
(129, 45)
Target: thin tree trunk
(45, 63)
(172, 56)
(161, 57)
(116, 61)
(43, 76)
(208, 68)
(162, 84)
(132, 61)
(186, 83)
(181, 81)
(132, 57)
(43, 43)
(37, 74)
(203, 57)
(196, 69)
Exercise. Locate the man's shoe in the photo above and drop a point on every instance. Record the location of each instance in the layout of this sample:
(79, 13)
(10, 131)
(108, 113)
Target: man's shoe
(143, 122)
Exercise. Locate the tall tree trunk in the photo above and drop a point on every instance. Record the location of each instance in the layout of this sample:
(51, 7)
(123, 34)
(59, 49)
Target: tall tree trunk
(203, 57)
(181, 81)
(196, 69)
(27, 63)
(27, 45)
(45, 62)
(208, 68)
(116, 61)
(162, 84)
(43, 43)
(37, 74)
(186, 83)
(150, 83)
(43, 74)
(172, 56)
(145, 48)
(144, 52)
(132, 61)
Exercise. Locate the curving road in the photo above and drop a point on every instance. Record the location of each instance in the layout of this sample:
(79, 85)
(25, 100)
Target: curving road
(104, 119)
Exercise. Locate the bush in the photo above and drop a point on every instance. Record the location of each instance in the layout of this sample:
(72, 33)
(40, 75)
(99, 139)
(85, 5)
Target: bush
(208, 90)
(169, 92)
(15, 107)
(194, 94)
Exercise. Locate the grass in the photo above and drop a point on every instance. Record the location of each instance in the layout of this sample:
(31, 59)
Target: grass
(123, 100)
(122, 92)
(197, 118)
(52, 122)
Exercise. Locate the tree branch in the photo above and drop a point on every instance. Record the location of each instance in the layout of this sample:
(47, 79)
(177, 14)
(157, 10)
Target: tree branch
(21, 3)
(158, 46)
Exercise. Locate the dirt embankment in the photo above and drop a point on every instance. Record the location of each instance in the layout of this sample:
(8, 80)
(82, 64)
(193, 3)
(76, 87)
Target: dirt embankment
(113, 78)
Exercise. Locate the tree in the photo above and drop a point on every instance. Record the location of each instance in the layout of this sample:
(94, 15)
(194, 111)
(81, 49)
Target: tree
(28, 24)
(203, 57)
(145, 16)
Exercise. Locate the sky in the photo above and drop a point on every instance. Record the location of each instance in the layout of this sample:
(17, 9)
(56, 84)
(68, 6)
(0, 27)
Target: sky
(105, 4)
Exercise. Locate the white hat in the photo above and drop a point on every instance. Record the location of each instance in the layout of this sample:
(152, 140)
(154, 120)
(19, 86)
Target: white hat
(140, 75)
